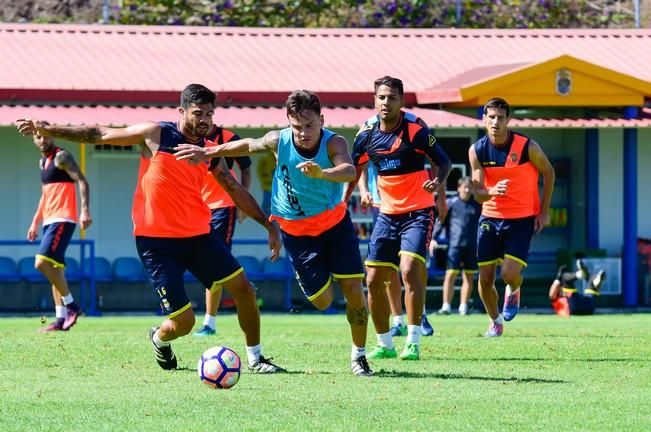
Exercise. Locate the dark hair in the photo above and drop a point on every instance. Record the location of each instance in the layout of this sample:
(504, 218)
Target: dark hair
(390, 82)
(498, 103)
(463, 180)
(300, 101)
(196, 94)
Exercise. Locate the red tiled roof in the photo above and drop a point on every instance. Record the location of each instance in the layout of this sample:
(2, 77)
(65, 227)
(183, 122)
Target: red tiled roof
(275, 117)
(151, 64)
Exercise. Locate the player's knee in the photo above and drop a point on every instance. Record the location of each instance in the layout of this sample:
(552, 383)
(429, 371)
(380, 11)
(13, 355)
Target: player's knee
(354, 292)
(42, 265)
(511, 277)
(184, 324)
(486, 282)
(243, 289)
(376, 283)
(324, 300)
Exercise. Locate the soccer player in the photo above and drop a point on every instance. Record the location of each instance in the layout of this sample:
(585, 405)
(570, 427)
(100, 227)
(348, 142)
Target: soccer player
(172, 222)
(566, 300)
(370, 198)
(313, 163)
(460, 226)
(398, 146)
(505, 169)
(57, 210)
(224, 213)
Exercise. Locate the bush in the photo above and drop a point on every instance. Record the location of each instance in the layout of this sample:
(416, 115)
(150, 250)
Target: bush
(381, 13)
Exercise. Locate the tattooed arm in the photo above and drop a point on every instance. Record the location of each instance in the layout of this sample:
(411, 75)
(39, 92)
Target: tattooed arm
(138, 134)
(245, 201)
(243, 147)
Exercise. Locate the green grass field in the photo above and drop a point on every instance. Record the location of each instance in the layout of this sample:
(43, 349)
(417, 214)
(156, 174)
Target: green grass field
(546, 372)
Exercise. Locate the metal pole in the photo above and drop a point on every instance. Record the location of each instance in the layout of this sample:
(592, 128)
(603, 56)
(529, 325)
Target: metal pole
(105, 12)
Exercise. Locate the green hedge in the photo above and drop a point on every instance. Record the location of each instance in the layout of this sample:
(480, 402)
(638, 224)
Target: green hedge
(380, 13)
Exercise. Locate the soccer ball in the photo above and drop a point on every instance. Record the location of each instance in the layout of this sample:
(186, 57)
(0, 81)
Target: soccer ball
(219, 367)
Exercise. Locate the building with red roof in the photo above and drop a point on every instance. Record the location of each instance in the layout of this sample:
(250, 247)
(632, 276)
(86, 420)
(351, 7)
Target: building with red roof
(581, 93)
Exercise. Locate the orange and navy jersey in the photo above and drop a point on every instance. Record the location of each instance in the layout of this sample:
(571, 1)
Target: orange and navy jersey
(399, 156)
(167, 201)
(59, 198)
(509, 162)
(212, 192)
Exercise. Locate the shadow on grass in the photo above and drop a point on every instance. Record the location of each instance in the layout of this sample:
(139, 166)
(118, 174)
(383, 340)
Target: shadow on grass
(247, 372)
(383, 373)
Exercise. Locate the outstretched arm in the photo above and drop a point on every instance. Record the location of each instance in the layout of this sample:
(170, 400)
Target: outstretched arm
(64, 160)
(243, 147)
(248, 205)
(539, 159)
(136, 134)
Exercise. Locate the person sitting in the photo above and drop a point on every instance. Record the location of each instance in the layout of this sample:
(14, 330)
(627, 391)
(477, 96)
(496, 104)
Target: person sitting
(565, 298)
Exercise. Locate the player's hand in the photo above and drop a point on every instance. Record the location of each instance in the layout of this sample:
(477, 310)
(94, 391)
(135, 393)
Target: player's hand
(32, 233)
(27, 127)
(431, 185)
(500, 188)
(190, 152)
(274, 241)
(541, 221)
(310, 169)
(366, 199)
(85, 220)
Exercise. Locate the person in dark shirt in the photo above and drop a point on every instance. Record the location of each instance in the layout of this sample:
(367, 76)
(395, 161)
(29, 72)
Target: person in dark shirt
(399, 147)
(460, 228)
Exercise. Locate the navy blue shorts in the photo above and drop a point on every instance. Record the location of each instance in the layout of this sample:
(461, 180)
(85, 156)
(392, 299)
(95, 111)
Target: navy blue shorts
(317, 259)
(394, 235)
(166, 259)
(582, 304)
(222, 223)
(55, 241)
(504, 238)
(462, 257)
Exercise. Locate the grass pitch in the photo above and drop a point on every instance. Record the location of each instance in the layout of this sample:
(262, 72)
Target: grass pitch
(546, 372)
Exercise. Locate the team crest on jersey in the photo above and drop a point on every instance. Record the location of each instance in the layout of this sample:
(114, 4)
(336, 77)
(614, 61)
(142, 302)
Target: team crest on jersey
(514, 157)
(432, 140)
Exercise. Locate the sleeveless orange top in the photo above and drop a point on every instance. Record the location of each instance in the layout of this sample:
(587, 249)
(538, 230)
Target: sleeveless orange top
(59, 198)
(522, 198)
(167, 201)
